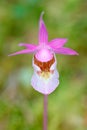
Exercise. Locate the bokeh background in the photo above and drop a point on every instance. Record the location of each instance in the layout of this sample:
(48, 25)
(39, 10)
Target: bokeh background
(21, 107)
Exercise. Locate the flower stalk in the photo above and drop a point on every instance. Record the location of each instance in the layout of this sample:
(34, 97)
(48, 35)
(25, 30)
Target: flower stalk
(45, 115)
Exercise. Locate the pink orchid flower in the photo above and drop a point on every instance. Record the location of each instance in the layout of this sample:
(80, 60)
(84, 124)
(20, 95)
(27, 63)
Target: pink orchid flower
(45, 78)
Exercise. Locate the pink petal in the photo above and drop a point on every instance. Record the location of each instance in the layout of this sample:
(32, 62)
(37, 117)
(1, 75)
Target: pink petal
(43, 35)
(30, 46)
(57, 43)
(44, 55)
(65, 51)
(22, 52)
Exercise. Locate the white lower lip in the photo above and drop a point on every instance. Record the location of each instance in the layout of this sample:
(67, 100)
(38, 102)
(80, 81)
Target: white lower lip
(43, 85)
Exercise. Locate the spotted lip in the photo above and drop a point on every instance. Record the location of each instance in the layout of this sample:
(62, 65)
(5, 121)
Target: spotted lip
(44, 66)
(45, 75)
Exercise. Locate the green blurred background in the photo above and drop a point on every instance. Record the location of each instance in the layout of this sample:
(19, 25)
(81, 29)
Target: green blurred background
(21, 107)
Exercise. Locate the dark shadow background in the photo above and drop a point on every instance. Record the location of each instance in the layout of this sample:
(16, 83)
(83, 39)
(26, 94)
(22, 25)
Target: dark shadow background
(21, 107)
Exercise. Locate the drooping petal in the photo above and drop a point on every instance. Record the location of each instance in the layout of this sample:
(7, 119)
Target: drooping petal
(43, 35)
(57, 43)
(65, 51)
(30, 46)
(25, 51)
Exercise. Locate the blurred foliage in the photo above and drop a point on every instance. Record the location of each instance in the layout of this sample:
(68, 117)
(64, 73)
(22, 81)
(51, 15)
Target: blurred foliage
(21, 107)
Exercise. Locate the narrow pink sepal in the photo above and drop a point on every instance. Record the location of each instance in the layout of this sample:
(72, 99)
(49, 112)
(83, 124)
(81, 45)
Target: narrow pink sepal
(57, 43)
(30, 46)
(25, 51)
(43, 35)
(65, 51)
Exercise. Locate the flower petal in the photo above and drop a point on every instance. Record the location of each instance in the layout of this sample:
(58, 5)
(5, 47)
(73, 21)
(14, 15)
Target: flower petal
(45, 87)
(43, 81)
(30, 46)
(25, 51)
(57, 43)
(65, 51)
(43, 35)
(44, 55)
